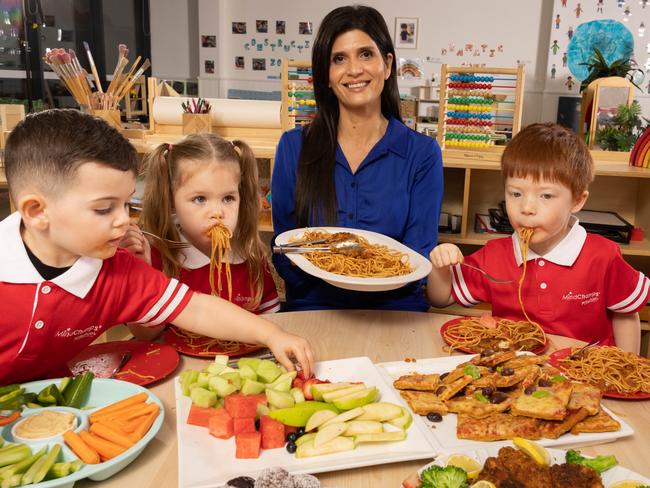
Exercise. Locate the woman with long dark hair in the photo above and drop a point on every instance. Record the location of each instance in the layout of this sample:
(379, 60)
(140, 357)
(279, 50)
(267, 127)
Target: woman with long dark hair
(356, 165)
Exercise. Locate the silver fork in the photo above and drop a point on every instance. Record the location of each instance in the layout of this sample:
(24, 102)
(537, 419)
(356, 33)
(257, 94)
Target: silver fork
(169, 242)
(487, 275)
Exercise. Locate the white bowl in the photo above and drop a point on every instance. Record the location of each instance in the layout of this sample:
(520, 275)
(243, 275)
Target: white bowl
(80, 421)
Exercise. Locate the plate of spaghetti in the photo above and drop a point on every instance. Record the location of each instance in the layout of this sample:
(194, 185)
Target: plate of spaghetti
(475, 334)
(149, 361)
(197, 345)
(618, 373)
(381, 263)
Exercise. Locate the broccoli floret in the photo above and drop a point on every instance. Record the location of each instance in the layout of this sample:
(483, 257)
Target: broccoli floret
(439, 477)
(599, 463)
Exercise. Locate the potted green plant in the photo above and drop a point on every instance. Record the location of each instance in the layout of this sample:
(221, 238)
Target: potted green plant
(598, 68)
(624, 129)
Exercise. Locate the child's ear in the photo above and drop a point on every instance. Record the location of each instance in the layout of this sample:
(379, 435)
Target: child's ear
(32, 209)
(580, 201)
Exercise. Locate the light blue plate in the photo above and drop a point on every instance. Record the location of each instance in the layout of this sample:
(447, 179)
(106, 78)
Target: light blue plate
(103, 392)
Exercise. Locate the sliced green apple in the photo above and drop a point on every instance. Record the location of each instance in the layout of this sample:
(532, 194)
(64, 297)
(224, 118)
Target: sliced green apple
(326, 434)
(298, 395)
(305, 438)
(345, 416)
(381, 411)
(356, 427)
(338, 444)
(357, 399)
(318, 389)
(330, 396)
(299, 415)
(396, 435)
(404, 421)
(318, 419)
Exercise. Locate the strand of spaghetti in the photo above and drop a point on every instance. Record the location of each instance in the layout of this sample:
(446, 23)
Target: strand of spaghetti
(220, 245)
(525, 234)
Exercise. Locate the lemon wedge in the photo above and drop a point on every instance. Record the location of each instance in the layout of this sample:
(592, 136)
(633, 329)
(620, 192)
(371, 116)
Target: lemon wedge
(483, 484)
(627, 484)
(534, 450)
(469, 465)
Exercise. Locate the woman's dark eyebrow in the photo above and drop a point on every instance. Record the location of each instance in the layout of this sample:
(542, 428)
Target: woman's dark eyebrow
(362, 48)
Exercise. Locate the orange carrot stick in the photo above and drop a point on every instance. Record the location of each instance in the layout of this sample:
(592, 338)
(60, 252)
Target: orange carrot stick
(87, 454)
(146, 409)
(132, 400)
(139, 407)
(144, 427)
(115, 436)
(105, 448)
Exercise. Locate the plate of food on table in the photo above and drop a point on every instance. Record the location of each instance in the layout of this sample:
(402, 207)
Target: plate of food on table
(54, 432)
(353, 259)
(475, 334)
(139, 362)
(346, 416)
(619, 374)
(499, 395)
(197, 345)
(523, 463)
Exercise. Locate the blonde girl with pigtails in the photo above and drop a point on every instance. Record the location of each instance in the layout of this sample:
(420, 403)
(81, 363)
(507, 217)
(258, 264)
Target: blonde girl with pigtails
(190, 187)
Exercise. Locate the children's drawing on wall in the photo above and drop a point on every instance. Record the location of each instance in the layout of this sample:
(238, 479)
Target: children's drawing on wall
(304, 28)
(259, 64)
(280, 27)
(406, 32)
(208, 41)
(239, 27)
(569, 32)
(564, 59)
(557, 21)
(239, 62)
(569, 82)
(209, 66)
(626, 14)
(643, 3)
(409, 69)
(641, 29)
(262, 26)
(564, 3)
(553, 71)
(555, 47)
(599, 6)
(578, 10)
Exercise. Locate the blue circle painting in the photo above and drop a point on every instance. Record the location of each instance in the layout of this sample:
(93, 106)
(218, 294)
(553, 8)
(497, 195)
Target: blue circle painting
(612, 38)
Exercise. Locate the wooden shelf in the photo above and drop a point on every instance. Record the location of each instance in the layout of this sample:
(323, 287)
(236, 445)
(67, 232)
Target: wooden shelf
(266, 222)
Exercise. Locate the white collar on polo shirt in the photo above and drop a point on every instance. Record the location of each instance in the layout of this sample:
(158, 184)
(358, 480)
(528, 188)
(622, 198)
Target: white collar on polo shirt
(16, 267)
(192, 258)
(564, 253)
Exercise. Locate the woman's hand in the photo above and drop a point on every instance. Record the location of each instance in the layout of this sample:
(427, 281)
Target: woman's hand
(287, 347)
(445, 255)
(135, 242)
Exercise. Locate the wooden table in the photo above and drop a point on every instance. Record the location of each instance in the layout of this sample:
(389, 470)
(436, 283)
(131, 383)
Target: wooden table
(382, 336)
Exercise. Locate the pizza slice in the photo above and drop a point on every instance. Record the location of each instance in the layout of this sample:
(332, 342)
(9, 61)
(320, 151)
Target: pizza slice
(424, 402)
(548, 403)
(416, 381)
(601, 422)
(494, 359)
(525, 360)
(477, 405)
(496, 427)
(585, 396)
(552, 429)
(445, 392)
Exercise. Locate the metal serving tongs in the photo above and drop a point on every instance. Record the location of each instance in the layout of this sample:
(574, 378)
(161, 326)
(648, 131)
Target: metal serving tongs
(344, 247)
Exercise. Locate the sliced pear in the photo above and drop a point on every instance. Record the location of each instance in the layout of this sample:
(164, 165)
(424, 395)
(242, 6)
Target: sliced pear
(297, 394)
(338, 444)
(318, 389)
(344, 417)
(356, 427)
(381, 411)
(404, 421)
(319, 418)
(357, 399)
(328, 433)
(299, 415)
(396, 435)
(329, 397)
(305, 438)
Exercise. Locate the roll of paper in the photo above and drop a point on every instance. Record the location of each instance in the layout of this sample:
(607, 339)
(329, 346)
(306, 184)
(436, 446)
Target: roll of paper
(261, 114)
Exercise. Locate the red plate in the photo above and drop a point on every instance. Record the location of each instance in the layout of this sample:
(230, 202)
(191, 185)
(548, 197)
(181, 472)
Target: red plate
(554, 360)
(201, 346)
(538, 350)
(149, 361)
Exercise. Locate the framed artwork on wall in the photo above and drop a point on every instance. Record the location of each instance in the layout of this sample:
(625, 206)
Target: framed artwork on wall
(406, 32)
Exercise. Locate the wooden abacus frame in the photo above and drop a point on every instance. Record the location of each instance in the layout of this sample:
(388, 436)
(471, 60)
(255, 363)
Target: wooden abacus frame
(446, 71)
(286, 120)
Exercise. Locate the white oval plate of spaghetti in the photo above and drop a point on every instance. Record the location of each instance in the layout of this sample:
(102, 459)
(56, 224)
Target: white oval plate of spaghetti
(421, 265)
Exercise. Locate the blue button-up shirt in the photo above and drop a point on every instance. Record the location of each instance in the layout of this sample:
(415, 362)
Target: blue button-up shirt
(396, 191)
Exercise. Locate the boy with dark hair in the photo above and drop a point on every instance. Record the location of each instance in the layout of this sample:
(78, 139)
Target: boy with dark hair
(576, 284)
(63, 280)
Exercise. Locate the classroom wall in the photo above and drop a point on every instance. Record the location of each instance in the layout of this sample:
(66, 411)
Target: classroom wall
(499, 33)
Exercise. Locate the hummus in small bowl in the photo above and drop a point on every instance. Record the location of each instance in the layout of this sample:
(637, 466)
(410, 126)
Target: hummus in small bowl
(45, 425)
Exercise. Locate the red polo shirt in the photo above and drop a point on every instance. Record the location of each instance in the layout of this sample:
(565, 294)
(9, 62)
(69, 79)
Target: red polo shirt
(43, 324)
(195, 273)
(573, 290)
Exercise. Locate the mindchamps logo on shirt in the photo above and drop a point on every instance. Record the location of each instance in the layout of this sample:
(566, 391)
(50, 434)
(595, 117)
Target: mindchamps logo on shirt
(584, 298)
(77, 334)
